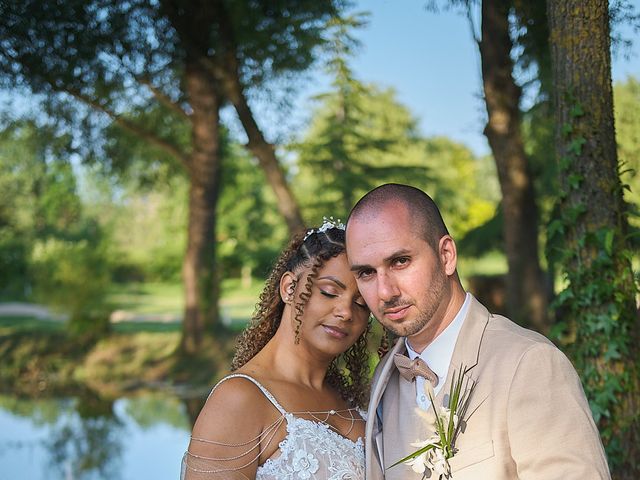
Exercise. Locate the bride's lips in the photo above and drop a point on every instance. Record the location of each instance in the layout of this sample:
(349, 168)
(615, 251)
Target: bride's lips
(397, 313)
(334, 332)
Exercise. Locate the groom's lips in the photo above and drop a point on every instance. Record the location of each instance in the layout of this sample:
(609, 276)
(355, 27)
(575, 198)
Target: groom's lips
(396, 313)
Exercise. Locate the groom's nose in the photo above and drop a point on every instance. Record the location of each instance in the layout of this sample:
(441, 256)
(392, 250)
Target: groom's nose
(387, 288)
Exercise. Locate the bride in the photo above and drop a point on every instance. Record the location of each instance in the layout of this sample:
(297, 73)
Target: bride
(289, 411)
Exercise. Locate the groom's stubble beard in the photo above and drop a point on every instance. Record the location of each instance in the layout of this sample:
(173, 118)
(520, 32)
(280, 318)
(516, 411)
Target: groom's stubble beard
(431, 301)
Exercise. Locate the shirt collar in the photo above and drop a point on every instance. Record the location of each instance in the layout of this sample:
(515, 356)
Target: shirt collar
(439, 352)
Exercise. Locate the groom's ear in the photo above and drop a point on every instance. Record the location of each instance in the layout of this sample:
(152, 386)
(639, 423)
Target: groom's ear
(448, 254)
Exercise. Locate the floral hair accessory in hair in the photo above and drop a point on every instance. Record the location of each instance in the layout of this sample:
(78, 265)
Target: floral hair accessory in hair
(327, 223)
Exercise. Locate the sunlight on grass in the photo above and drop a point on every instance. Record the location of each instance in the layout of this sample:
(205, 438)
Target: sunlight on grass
(155, 299)
(236, 304)
(143, 298)
(9, 325)
(493, 263)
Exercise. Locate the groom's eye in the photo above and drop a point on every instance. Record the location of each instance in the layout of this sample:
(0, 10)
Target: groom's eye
(364, 274)
(401, 261)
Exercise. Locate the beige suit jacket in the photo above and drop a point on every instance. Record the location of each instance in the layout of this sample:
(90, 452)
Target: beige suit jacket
(528, 417)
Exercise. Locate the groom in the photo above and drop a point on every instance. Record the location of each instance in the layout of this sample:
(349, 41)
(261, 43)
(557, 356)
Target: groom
(527, 417)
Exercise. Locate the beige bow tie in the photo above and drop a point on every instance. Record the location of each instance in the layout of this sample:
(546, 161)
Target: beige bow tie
(410, 369)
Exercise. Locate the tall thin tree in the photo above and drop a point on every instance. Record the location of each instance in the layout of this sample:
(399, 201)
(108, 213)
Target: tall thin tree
(526, 288)
(526, 293)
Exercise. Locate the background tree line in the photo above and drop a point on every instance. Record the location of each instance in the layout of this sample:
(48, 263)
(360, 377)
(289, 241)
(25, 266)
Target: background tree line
(124, 118)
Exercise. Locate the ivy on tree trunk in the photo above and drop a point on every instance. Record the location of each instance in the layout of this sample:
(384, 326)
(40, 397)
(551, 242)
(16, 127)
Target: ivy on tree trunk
(590, 234)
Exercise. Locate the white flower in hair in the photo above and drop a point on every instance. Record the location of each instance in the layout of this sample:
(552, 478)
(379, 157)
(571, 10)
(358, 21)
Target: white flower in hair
(327, 223)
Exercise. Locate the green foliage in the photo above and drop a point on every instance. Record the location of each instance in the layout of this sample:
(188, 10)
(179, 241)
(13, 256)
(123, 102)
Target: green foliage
(148, 230)
(360, 136)
(596, 319)
(250, 232)
(466, 187)
(73, 277)
(276, 38)
(342, 157)
(83, 58)
(26, 210)
(135, 159)
(484, 238)
(355, 142)
(52, 251)
(14, 280)
(146, 215)
(626, 98)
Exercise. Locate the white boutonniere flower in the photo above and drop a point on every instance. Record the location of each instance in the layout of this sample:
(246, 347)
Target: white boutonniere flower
(433, 453)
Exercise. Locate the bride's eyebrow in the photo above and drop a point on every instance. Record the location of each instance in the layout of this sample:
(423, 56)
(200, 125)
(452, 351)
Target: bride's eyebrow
(334, 280)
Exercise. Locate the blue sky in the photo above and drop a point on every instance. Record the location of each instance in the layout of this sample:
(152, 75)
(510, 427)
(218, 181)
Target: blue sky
(433, 63)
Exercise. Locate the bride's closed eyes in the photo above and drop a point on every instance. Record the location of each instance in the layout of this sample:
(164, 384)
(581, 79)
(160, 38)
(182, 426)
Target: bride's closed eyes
(358, 301)
(331, 287)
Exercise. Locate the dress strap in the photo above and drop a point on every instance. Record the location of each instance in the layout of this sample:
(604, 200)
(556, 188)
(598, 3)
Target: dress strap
(266, 392)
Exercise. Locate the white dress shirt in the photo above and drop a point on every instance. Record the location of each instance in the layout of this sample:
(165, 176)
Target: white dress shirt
(438, 354)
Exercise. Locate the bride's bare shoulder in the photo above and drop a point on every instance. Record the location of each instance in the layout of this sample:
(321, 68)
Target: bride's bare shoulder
(235, 401)
(226, 438)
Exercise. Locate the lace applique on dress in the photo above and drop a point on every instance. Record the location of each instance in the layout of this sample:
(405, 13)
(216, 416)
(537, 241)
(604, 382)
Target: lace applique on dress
(311, 450)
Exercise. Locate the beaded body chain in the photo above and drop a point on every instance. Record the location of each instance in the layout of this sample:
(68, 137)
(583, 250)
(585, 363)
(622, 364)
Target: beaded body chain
(303, 436)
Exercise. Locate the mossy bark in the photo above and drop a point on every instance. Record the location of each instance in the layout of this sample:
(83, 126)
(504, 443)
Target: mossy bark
(599, 304)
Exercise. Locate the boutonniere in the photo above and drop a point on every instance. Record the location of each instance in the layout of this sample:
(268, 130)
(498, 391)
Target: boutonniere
(433, 454)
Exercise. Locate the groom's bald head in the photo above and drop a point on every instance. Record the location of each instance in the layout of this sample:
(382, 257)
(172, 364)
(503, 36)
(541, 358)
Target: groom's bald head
(426, 220)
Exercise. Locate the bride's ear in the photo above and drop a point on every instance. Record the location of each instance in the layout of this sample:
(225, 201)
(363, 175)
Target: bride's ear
(288, 287)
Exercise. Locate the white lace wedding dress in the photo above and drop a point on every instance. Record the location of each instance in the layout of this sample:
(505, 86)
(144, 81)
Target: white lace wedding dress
(311, 450)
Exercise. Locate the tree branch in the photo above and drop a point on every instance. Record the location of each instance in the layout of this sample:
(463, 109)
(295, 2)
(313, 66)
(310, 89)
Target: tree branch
(162, 97)
(133, 128)
(137, 130)
(260, 148)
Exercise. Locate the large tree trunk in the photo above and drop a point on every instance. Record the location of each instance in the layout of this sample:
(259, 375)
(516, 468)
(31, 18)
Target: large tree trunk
(201, 281)
(599, 303)
(526, 292)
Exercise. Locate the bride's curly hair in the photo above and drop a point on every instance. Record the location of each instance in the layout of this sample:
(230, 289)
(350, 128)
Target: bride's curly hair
(349, 372)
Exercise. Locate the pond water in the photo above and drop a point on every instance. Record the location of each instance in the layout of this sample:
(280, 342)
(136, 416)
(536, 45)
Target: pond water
(142, 437)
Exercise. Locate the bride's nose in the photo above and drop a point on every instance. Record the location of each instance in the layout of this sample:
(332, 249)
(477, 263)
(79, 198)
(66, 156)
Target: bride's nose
(343, 310)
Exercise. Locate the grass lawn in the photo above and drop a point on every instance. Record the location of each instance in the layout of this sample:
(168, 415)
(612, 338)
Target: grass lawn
(145, 298)
(236, 304)
(10, 325)
(492, 263)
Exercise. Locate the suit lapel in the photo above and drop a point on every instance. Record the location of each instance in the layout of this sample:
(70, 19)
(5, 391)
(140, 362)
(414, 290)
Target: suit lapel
(373, 428)
(383, 377)
(467, 349)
